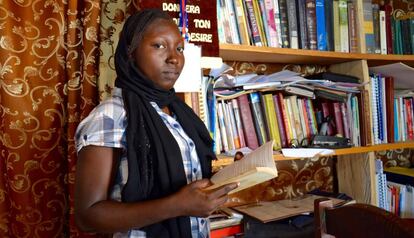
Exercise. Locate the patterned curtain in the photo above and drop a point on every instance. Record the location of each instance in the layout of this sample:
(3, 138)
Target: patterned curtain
(49, 52)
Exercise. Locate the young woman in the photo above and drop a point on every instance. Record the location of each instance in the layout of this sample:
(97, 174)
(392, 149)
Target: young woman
(144, 157)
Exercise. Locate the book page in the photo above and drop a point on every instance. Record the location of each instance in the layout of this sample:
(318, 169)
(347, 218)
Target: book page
(255, 167)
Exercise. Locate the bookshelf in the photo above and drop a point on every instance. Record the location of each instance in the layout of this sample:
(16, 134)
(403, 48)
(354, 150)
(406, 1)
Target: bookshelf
(231, 52)
(224, 160)
(355, 166)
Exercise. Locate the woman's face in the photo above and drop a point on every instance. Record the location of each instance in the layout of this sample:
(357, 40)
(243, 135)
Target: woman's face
(159, 55)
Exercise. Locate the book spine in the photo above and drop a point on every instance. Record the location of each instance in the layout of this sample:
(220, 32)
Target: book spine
(236, 137)
(259, 18)
(270, 16)
(292, 24)
(321, 25)
(345, 120)
(272, 121)
(338, 119)
(261, 14)
(247, 121)
(343, 25)
(388, 28)
(368, 27)
(295, 117)
(337, 36)
(239, 125)
(376, 25)
(277, 22)
(284, 26)
(258, 118)
(383, 33)
(352, 28)
(287, 112)
(254, 27)
(329, 25)
(241, 22)
(311, 24)
(280, 123)
(223, 133)
(303, 31)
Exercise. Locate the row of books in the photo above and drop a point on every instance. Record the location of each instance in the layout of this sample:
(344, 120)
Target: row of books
(315, 24)
(392, 111)
(394, 197)
(251, 119)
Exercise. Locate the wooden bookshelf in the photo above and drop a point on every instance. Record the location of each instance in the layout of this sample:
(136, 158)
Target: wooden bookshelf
(298, 56)
(224, 160)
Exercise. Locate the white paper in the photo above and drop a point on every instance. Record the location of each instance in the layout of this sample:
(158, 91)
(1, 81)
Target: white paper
(305, 152)
(190, 77)
(402, 73)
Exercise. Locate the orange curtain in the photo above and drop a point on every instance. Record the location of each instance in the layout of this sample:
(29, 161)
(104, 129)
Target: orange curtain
(49, 55)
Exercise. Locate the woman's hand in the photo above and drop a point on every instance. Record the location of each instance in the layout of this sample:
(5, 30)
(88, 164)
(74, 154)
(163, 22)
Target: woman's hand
(195, 200)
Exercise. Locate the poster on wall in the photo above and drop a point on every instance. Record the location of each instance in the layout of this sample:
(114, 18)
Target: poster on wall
(202, 21)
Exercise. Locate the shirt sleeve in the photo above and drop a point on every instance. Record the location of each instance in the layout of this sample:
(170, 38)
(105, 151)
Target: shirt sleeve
(105, 126)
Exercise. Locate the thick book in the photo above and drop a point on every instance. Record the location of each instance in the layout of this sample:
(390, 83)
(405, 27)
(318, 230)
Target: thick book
(256, 167)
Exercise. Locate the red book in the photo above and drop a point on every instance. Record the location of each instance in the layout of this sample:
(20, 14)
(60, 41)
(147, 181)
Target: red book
(409, 116)
(247, 121)
(280, 123)
(389, 101)
(338, 119)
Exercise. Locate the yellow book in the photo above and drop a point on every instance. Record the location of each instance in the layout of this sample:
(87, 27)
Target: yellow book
(241, 22)
(271, 120)
(259, 18)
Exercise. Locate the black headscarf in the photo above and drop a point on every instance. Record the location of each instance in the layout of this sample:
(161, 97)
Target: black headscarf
(155, 166)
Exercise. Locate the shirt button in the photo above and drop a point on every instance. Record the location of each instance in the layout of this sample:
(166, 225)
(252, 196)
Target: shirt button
(176, 125)
(191, 144)
(194, 170)
(85, 137)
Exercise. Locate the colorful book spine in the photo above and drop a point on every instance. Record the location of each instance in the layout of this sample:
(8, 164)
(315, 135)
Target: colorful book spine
(311, 24)
(270, 16)
(247, 121)
(321, 25)
(253, 23)
(271, 119)
(241, 22)
(368, 27)
(284, 25)
(280, 123)
(258, 117)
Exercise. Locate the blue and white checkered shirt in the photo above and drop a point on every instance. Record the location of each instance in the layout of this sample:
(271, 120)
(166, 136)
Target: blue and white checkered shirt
(106, 126)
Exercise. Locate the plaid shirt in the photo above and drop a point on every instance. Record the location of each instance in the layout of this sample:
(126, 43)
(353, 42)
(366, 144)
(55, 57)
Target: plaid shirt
(106, 126)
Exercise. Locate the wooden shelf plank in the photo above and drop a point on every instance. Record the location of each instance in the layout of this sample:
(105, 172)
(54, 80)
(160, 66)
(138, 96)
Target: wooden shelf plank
(224, 160)
(296, 56)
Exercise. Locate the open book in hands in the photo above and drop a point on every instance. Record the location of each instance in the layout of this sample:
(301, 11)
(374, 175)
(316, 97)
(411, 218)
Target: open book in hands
(254, 168)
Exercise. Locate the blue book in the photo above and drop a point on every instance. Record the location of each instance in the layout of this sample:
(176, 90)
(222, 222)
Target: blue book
(321, 25)
(396, 120)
